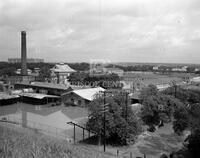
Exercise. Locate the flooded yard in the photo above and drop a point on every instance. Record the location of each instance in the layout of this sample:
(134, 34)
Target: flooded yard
(51, 120)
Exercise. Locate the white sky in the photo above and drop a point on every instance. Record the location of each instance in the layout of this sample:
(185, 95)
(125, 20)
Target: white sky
(115, 30)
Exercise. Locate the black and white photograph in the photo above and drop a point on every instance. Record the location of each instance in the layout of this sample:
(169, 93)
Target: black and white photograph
(99, 79)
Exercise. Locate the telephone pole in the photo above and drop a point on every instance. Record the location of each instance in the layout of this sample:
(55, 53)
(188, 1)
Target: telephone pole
(105, 109)
(104, 122)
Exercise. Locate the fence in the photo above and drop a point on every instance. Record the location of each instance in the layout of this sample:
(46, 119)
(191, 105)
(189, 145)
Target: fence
(39, 127)
(63, 134)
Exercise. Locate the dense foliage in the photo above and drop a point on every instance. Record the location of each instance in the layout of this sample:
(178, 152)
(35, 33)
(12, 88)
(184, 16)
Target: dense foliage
(80, 66)
(8, 69)
(157, 106)
(134, 67)
(105, 81)
(184, 109)
(181, 119)
(122, 126)
(186, 96)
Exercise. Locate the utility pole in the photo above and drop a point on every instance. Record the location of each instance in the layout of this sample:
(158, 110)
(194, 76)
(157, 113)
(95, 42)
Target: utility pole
(105, 109)
(175, 86)
(126, 106)
(104, 122)
(125, 94)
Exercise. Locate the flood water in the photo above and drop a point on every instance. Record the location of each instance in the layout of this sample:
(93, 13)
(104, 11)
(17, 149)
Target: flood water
(45, 118)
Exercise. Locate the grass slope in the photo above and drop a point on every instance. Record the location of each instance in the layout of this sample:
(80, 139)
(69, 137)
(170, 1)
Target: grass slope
(24, 143)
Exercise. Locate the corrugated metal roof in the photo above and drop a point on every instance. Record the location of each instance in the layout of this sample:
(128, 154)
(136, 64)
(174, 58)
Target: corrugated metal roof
(38, 95)
(88, 93)
(45, 85)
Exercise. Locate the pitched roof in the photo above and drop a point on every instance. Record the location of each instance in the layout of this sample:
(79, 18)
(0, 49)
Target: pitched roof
(7, 96)
(62, 68)
(45, 85)
(38, 95)
(88, 93)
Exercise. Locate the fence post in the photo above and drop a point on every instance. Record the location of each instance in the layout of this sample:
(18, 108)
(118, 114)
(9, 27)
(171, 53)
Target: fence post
(131, 155)
(144, 155)
(117, 152)
(89, 134)
(74, 133)
(83, 133)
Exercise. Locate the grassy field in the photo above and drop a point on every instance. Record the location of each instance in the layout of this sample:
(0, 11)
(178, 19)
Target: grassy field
(24, 143)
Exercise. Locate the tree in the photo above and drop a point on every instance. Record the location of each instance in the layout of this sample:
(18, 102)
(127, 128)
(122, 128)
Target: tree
(149, 111)
(185, 95)
(194, 143)
(191, 149)
(150, 90)
(105, 81)
(120, 129)
(158, 108)
(77, 78)
(45, 73)
(181, 119)
(79, 66)
(8, 71)
(194, 118)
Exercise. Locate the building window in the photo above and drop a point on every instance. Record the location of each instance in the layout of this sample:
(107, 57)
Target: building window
(79, 102)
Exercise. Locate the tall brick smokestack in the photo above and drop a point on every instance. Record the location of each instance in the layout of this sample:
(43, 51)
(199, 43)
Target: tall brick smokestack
(23, 54)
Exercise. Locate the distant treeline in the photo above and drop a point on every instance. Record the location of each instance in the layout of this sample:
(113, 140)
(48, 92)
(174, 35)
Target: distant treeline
(133, 68)
(146, 67)
(8, 69)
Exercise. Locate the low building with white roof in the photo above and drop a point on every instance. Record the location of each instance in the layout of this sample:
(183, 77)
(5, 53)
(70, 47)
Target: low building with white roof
(81, 97)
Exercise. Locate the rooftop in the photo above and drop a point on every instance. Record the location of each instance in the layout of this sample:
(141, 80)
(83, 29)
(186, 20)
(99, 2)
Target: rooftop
(38, 95)
(62, 68)
(4, 96)
(45, 85)
(88, 93)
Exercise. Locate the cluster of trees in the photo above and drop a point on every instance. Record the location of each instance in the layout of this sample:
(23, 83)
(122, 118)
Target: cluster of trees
(181, 105)
(158, 107)
(8, 69)
(122, 125)
(80, 66)
(105, 81)
(146, 67)
(133, 68)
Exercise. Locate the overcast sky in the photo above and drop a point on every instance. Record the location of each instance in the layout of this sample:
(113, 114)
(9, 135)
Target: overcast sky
(115, 30)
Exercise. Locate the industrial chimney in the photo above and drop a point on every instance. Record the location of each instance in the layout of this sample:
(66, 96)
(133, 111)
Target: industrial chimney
(23, 54)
